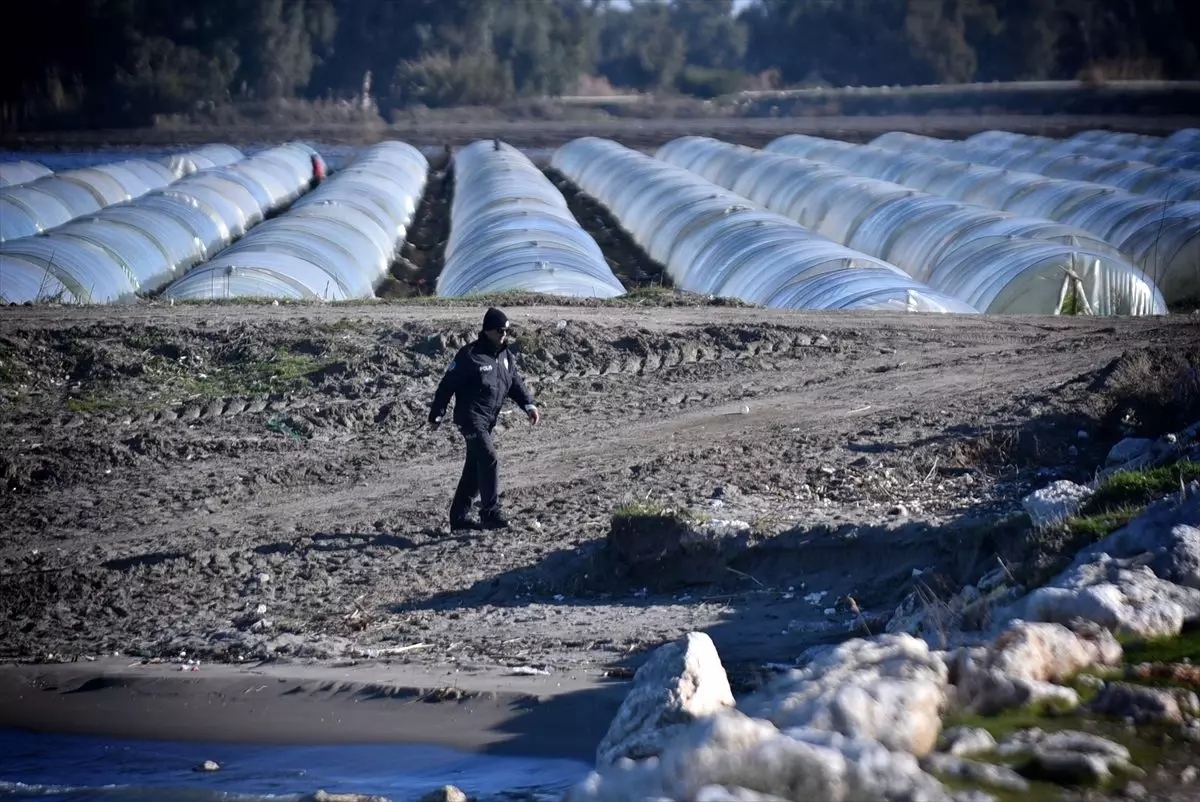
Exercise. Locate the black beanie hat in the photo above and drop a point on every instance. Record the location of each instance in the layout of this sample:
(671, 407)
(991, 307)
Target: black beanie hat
(494, 319)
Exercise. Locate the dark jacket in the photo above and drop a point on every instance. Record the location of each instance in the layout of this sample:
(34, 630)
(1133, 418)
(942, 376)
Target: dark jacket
(479, 378)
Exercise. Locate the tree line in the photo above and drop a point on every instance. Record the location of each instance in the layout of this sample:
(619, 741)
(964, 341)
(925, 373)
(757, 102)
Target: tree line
(118, 62)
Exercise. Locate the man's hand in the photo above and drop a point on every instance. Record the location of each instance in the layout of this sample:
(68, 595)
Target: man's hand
(533, 414)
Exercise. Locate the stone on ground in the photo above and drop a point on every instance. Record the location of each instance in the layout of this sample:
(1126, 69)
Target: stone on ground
(1021, 666)
(891, 689)
(681, 682)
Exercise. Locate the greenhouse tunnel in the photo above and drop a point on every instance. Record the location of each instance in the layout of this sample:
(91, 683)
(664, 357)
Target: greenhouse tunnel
(1159, 237)
(716, 242)
(336, 243)
(511, 230)
(996, 261)
(137, 246)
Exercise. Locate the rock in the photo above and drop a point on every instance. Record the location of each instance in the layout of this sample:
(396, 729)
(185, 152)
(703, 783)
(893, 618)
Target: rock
(1142, 704)
(973, 795)
(1055, 503)
(720, 793)
(1020, 667)
(1116, 594)
(447, 793)
(1177, 559)
(1067, 768)
(324, 796)
(734, 751)
(681, 682)
(1173, 673)
(996, 578)
(964, 741)
(951, 766)
(1189, 775)
(208, 765)
(1029, 740)
(1135, 790)
(1130, 448)
(1165, 534)
(889, 688)
(1190, 731)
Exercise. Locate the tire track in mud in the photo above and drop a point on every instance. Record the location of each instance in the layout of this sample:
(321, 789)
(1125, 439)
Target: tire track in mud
(652, 361)
(585, 445)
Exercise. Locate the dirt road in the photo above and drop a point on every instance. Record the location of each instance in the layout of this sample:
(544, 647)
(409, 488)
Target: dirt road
(240, 482)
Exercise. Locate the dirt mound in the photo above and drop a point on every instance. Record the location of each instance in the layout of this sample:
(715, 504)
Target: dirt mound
(1150, 391)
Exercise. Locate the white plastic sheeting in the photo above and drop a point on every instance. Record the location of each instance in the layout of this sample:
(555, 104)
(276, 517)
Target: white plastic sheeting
(1169, 183)
(202, 158)
(1185, 139)
(335, 243)
(1163, 155)
(714, 241)
(22, 172)
(511, 230)
(39, 205)
(115, 253)
(995, 261)
(1160, 237)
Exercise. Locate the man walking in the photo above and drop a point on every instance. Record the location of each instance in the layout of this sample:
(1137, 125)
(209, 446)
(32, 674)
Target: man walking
(480, 377)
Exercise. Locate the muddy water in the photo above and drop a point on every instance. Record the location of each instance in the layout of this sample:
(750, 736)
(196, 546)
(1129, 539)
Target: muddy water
(68, 768)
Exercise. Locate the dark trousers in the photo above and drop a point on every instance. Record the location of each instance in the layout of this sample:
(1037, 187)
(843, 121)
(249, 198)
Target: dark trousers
(480, 475)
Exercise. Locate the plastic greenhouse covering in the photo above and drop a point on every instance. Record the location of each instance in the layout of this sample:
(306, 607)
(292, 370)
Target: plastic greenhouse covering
(39, 205)
(995, 261)
(1169, 183)
(1162, 156)
(113, 254)
(1186, 139)
(1160, 237)
(335, 243)
(714, 241)
(511, 229)
(202, 158)
(22, 172)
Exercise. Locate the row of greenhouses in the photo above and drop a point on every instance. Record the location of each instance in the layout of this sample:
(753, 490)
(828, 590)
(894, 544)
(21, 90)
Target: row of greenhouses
(41, 203)
(1184, 139)
(905, 223)
(511, 229)
(135, 247)
(713, 241)
(1160, 237)
(997, 262)
(1162, 154)
(335, 243)
(1168, 183)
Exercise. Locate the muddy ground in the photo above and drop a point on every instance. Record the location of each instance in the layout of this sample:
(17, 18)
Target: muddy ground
(241, 482)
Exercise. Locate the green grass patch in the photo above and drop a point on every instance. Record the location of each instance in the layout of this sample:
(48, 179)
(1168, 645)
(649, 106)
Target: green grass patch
(1130, 489)
(92, 403)
(1185, 646)
(280, 370)
(1122, 497)
(1145, 744)
(1087, 529)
